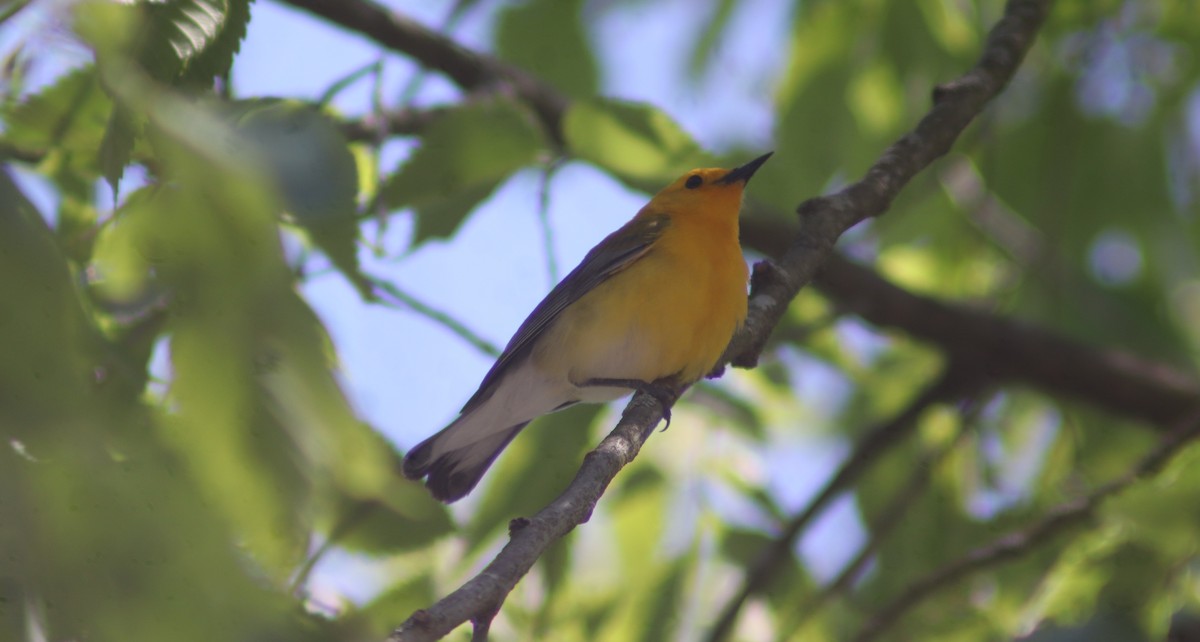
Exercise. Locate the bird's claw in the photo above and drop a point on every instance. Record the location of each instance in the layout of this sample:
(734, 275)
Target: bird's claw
(663, 391)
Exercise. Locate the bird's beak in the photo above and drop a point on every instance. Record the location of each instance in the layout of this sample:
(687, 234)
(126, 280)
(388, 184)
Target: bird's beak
(742, 174)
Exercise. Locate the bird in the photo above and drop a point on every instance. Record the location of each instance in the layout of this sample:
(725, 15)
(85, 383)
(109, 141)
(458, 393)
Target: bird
(651, 308)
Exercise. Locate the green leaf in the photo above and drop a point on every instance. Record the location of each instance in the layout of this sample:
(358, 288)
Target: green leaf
(216, 58)
(442, 217)
(377, 528)
(49, 352)
(314, 172)
(663, 613)
(177, 32)
(637, 142)
(1104, 627)
(69, 117)
(87, 486)
(743, 547)
(117, 147)
(707, 44)
(730, 407)
(383, 613)
(547, 37)
(463, 156)
(534, 469)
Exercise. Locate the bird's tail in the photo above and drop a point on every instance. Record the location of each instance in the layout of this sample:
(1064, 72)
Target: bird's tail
(456, 458)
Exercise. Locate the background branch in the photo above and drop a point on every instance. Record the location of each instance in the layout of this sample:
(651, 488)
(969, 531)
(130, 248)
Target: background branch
(881, 527)
(1008, 350)
(1055, 522)
(952, 384)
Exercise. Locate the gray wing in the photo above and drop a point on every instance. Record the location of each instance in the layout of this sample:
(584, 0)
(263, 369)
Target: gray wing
(616, 252)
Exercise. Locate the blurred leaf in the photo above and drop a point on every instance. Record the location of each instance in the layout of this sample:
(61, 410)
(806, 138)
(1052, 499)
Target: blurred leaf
(547, 37)
(376, 528)
(441, 217)
(305, 153)
(463, 156)
(874, 96)
(90, 490)
(663, 612)
(742, 546)
(69, 117)
(391, 606)
(812, 133)
(314, 171)
(952, 23)
(534, 469)
(1163, 513)
(635, 141)
(707, 44)
(117, 147)
(734, 409)
(555, 566)
(48, 342)
(1104, 627)
(211, 239)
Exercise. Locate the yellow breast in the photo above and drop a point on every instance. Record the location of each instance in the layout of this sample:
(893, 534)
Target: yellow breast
(672, 313)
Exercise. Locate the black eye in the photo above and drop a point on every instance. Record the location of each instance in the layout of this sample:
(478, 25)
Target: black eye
(693, 181)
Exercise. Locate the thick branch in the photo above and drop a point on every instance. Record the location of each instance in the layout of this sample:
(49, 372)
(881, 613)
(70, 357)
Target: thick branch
(824, 219)
(484, 593)
(1013, 545)
(1008, 350)
(467, 69)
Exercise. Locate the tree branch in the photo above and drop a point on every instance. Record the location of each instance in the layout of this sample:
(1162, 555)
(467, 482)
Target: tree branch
(529, 538)
(467, 69)
(824, 219)
(881, 527)
(1015, 544)
(772, 559)
(773, 287)
(400, 122)
(1008, 350)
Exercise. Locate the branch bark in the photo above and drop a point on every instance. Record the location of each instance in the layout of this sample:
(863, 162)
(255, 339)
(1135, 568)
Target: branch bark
(1008, 350)
(529, 538)
(1056, 521)
(951, 384)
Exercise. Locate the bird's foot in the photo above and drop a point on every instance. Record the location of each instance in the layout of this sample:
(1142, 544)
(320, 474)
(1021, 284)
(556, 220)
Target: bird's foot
(665, 391)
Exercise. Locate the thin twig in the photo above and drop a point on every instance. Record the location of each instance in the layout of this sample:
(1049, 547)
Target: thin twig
(344, 527)
(405, 121)
(395, 297)
(544, 219)
(882, 526)
(771, 560)
(1013, 545)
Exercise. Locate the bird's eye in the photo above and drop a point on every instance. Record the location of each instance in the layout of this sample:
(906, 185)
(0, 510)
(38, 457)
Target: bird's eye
(693, 181)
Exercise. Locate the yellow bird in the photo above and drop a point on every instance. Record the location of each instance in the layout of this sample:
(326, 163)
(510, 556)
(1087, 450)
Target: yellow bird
(651, 308)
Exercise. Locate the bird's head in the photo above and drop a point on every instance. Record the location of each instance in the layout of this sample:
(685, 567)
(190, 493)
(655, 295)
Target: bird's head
(712, 191)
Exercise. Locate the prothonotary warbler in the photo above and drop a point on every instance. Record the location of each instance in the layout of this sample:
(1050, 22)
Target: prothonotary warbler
(651, 308)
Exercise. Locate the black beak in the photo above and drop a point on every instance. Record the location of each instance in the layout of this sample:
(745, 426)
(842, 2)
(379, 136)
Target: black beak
(742, 174)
